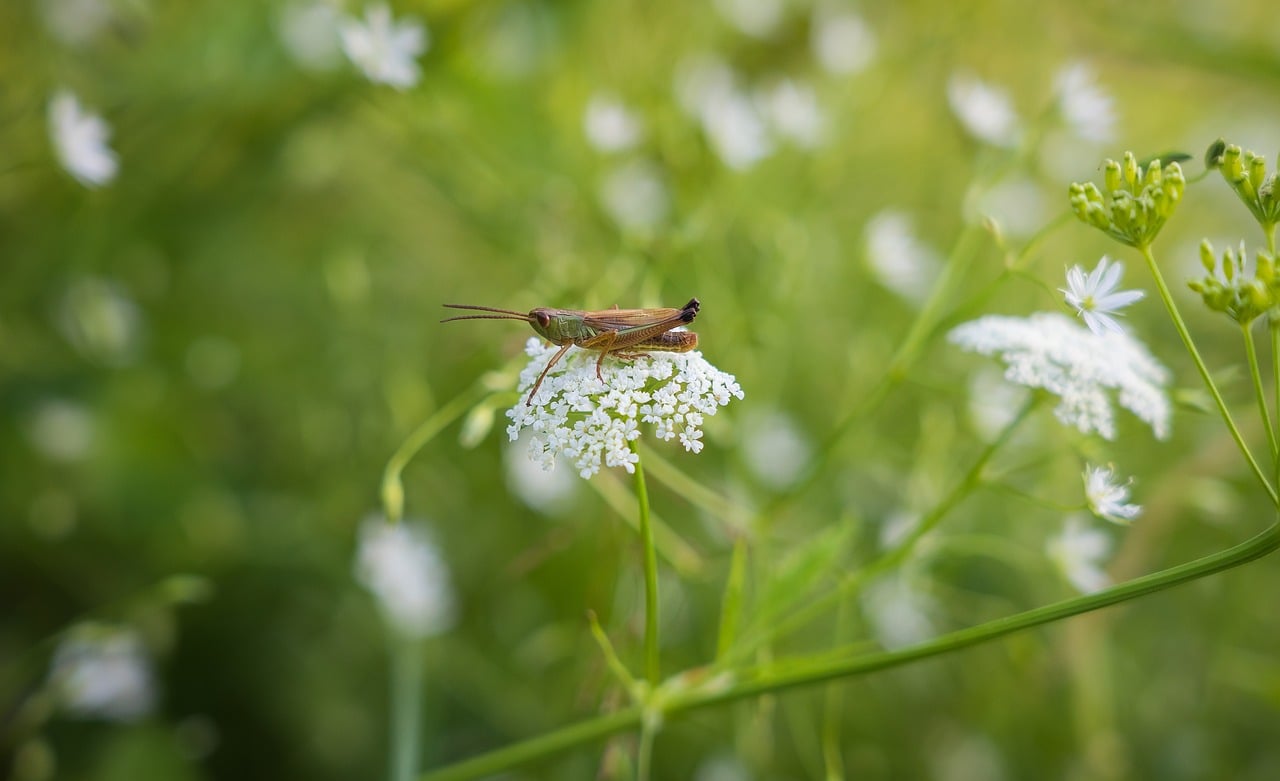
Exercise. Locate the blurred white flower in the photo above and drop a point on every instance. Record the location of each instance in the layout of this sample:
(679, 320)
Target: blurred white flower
(1086, 108)
(900, 261)
(1017, 203)
(1078, 552)
(984, 110)
(899, 613)
(1108, 499)
(609, 125)
(841, 41)
(993, 403)
(1085, 370)
(775, 449)
(75, 22)
(635, 196)
(545, 492)
(708, 90)
(80, 141)
(101, 321)
(101, 672)
(401, 566)
(309, 32)
(1094, 296)
(384, 49)
(593, 424)
(61, 431)
(794, 112)
(757, 18)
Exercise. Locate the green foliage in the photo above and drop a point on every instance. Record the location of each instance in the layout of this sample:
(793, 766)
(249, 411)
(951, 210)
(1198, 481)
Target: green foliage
(207, 362)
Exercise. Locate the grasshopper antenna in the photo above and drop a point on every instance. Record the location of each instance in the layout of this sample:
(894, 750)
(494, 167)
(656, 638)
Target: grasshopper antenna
(498, 314)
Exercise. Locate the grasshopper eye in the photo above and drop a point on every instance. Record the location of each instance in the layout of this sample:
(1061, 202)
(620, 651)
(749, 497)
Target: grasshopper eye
(543, 318)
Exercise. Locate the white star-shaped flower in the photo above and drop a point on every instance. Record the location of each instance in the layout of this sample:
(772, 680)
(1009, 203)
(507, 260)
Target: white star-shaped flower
(384, 49)
(1094, 295)
(80, 140)
(1108, 499)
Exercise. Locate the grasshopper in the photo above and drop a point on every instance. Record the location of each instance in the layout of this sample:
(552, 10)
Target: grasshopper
(627, 333)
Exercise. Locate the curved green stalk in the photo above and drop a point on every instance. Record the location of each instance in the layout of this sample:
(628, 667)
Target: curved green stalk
(1204, 374)
(859, 664)
(1251, 350)
(392, 487)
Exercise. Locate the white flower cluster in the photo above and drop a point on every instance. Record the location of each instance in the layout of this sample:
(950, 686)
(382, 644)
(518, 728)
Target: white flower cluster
(1107, 498)
(593, 423)
(1084, 369)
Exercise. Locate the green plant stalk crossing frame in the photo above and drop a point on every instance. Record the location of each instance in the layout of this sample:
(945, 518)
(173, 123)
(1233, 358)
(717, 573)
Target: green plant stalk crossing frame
(765, 681)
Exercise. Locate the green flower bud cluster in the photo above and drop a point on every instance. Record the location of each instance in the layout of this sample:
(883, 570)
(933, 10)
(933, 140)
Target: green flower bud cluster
(1226, 288)
(1137, 202)
(1246, 173)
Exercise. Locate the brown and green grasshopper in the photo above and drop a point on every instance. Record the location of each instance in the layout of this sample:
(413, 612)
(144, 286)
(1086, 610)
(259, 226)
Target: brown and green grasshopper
(627, 333)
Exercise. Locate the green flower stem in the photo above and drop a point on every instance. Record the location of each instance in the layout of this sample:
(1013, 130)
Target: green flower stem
(1204, 373)
(644, 755)
(1252, 352)
(766, 681)
(392, 487)
(892, 558)
(1274, 328)
(406, 706)
(651, 669)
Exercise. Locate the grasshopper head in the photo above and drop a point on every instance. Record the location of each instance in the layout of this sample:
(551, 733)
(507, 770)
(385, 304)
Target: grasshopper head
(541, 319)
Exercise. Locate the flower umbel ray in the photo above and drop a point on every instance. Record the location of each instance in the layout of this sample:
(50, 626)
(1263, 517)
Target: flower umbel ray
(1094, 295)
(593, 423)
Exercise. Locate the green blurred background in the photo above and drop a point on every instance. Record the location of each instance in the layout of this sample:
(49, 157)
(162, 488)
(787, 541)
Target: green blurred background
(205, 365)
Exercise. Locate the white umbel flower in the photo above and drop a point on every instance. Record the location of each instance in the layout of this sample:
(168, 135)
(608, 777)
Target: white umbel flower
(1078, 552)
(593, 424)
(385, 50)
(1094, 295)
(80, 141)
(1084, 370)
(1085, 107)
(985, 111)
(401, 566)
(1107, 498)
(103, 672)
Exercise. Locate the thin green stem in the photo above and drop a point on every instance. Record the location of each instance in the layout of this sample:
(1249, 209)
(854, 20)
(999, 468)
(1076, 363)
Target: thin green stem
(1187, 341)
(392, 487)
(1273, 328)
(1251, 350)
(644, 755)
(651, 667)
(406, 706)
(828, 669)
